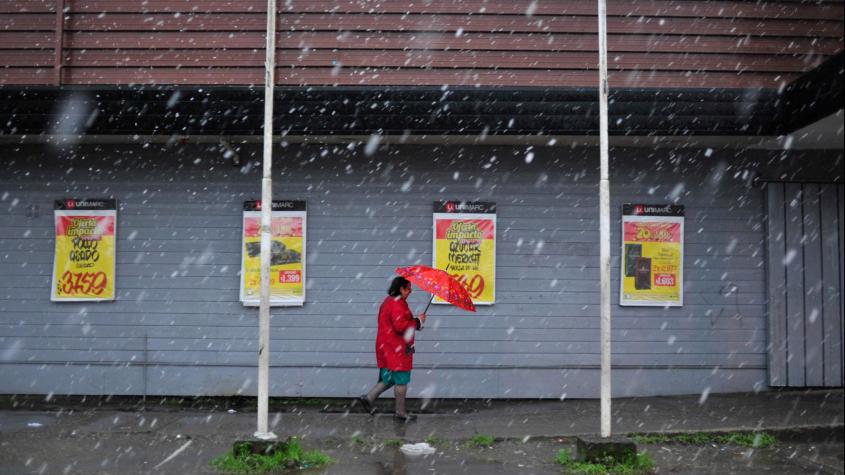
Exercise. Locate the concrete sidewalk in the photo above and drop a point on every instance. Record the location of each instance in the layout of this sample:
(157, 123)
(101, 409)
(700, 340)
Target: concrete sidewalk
(460, 420)
(141, 440)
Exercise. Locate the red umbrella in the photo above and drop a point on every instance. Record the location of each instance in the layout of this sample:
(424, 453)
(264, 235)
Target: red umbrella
(439, 283)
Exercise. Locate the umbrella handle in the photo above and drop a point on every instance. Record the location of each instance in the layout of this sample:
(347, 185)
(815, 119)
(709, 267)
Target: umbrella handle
(429, 303)
(432, 295)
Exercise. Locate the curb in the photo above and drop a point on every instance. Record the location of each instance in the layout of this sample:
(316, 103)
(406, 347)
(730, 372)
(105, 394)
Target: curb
(828, 433)
(810, 433)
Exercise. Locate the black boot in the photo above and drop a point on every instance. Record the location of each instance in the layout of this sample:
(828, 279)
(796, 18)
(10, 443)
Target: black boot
(366, 404)
(404, 417)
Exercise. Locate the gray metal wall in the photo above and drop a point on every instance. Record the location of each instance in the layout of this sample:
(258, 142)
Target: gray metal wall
(177, 326)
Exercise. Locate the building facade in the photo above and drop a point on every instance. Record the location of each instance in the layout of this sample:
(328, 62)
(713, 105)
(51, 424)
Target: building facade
(730, 109)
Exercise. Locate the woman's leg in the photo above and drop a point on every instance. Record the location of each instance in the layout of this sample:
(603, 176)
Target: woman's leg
(374, 393)
(400, 390)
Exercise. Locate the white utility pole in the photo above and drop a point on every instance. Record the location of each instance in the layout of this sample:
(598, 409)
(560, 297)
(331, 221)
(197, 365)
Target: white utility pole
(262, 432)
(604, 224)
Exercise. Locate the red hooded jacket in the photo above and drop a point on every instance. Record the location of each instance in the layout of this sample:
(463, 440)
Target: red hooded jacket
(395, 339)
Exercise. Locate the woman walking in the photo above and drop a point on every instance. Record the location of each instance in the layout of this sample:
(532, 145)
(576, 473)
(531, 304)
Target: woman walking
(395, 348)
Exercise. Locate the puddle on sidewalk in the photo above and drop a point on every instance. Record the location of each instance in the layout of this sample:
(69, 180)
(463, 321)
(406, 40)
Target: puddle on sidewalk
(15, 422)
(395, 462)
(782, 459)
(368, 457)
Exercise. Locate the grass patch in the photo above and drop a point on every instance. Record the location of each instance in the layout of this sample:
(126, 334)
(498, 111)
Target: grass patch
(393, 442)
(651, 438)
(742, 439)
(481, 440)
(695, 438)
(290, 456)
(641, 464)
(435, 441)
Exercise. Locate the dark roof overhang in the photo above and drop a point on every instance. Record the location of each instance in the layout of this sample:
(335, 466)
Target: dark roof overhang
(302, 111)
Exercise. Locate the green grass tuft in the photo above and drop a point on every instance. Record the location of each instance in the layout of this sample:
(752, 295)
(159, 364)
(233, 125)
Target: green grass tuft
(292, 456)
(563, 458)
(696, 438)
(481, 440)
(435, 441)
(641, 464)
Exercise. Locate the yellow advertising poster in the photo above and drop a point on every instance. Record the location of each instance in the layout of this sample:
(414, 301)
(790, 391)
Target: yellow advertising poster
(652, 255)
(84, 260)
(287, 254)
(465, 246)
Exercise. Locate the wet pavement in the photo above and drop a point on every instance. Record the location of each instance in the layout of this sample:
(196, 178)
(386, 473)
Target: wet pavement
(114, 438)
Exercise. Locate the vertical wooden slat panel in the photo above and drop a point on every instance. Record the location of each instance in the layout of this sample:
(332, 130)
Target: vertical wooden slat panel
(813, 321)
(793, 230)
(775, 248)
(832, 286)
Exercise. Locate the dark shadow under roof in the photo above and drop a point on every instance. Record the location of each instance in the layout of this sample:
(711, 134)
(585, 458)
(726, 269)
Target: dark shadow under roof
(200, 110)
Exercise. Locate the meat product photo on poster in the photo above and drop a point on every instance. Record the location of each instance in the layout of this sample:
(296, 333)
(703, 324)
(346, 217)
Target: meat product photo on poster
(287, 249)
(279, 254)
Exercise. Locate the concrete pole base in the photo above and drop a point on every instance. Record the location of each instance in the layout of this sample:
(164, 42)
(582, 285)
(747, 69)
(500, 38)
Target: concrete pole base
(595, 449)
